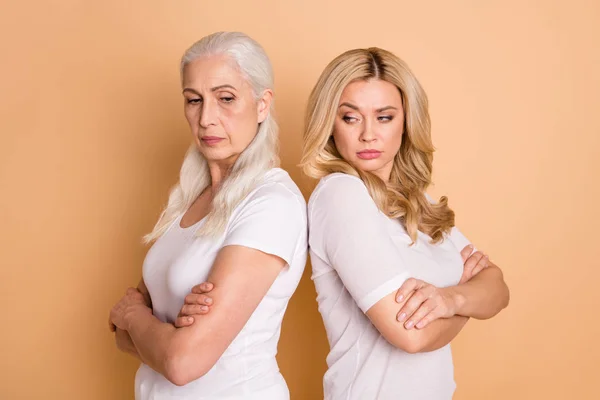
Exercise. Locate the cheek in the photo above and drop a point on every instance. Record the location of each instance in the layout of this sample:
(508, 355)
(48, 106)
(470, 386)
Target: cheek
(191, 115)
(392, 136)
(240, 125)
(344, 139)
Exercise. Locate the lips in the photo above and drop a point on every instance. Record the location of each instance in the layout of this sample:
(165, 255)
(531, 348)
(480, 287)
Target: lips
(211, 140)
(369, 154)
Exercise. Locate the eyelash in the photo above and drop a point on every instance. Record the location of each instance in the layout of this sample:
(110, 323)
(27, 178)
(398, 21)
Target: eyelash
(383, 118)
(225, 99)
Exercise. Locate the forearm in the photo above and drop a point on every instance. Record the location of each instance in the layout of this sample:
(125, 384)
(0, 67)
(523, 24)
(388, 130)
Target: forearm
(152, 339)
(125, 344)
(440, 332)
(433, 336)
(176, 353)
(482, 297)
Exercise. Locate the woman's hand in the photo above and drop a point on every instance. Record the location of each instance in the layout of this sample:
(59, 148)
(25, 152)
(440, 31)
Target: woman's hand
(124, 343)
(147, 301)
(196, 303)
(132, 301)
(423, 303)
(473, 263)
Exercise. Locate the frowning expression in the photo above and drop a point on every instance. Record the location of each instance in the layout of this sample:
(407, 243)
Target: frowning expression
(369, 125)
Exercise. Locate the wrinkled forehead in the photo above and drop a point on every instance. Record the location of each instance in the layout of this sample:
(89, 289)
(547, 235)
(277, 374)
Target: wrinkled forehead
(208, 72)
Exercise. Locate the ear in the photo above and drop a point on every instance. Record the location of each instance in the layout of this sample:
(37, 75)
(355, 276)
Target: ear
(264, 105)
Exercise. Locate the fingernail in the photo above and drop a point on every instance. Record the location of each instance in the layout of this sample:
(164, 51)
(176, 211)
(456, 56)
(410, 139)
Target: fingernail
(409, 324)
(399, 298)
(401, 317)
(204, 308)
(420, 324)
(190, 319)
(208, 300)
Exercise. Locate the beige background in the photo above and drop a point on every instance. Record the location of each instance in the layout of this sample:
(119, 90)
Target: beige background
(93, 135)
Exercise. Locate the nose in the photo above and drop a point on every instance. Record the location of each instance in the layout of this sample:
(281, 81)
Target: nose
(208, 114)
(367, 135)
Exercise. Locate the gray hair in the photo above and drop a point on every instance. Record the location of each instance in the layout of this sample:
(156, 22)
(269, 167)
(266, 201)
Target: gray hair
(253, 162)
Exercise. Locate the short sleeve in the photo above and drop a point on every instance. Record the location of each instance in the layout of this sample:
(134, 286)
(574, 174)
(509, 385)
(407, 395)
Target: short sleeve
(458, 239)
(347, 229)
(272, 220)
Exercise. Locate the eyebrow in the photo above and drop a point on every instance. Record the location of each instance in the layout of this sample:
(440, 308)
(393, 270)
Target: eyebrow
(352, 106)
(212, 89)
(386, 108)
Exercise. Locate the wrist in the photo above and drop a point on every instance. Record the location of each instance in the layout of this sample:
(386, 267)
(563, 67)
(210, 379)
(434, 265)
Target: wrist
(134, 313)
(147, 299)
(458, 299)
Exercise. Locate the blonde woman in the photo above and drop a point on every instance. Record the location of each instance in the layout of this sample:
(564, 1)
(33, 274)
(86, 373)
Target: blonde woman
(234, 219)
(396, 281)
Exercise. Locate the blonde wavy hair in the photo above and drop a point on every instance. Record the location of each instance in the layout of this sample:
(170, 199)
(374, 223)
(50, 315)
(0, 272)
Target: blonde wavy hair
(253, 162)
(403, 197)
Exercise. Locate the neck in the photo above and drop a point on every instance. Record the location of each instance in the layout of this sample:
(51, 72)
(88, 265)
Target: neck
(383, 176)
(385, 173)
(219, 171)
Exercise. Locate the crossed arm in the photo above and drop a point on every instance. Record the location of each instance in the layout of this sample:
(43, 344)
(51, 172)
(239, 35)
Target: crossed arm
(185, 354)
(420, 317)
(430, 317)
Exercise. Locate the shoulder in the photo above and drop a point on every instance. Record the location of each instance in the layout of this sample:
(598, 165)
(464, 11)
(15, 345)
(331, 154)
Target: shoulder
(341, 199)
(277, 192)
(338, 186)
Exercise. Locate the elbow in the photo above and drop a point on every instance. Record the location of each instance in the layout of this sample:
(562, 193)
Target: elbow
(505, 297)
(412, 344)
(412, 347)
(502, 302)
(180, 369)
(409, 341)
(176, 375)
(504, 294)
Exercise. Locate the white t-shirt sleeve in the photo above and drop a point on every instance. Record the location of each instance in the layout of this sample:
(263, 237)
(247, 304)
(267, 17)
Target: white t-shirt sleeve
(458, 239)
(348, 231)
(273, 220)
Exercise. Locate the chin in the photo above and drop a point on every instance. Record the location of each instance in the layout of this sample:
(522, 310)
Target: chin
(367, 165)
(218, 154)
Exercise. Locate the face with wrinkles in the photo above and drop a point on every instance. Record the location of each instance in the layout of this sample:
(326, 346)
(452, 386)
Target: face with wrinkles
(221, 107)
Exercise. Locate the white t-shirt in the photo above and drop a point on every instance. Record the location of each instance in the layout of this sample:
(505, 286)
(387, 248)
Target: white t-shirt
(359, 256)
(272, 219)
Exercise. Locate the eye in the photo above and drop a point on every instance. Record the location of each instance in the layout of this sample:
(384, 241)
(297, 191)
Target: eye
(194, 101)
(385, 118)
(349, 120)
(227, 99)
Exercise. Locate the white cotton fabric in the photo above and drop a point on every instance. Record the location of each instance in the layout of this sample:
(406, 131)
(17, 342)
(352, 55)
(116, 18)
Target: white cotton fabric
(358, 257)
(272, 219)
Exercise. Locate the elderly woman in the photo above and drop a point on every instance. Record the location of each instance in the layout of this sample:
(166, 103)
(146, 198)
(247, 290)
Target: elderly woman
(234, 219)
